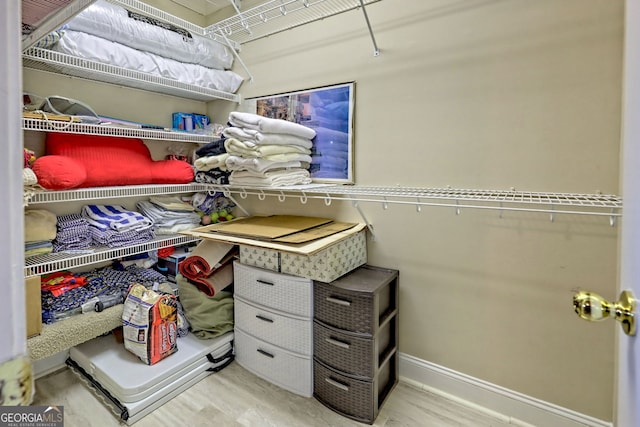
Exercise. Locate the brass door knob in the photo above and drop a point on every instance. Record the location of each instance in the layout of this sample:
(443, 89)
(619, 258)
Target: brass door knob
(591, 306)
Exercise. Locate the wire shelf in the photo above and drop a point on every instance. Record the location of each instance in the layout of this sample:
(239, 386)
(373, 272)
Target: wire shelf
(275, 16)
(54, 21)
(82, 194)
(553, 203)
(49, 263)
(108, 130)
(60, 63)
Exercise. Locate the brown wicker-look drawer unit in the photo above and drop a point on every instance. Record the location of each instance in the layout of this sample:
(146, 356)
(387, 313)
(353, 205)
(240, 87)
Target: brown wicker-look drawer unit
(355, 337)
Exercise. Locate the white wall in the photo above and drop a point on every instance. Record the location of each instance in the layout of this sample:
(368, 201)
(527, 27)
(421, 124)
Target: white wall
(479, 94)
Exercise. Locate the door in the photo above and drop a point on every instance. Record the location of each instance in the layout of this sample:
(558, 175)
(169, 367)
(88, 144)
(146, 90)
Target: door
(626, 407)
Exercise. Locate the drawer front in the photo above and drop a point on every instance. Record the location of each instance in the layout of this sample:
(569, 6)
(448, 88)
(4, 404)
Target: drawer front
(283, 368)
(287, 332)
(341, 351)
(351, 311)
(282, 292)
(350, 397)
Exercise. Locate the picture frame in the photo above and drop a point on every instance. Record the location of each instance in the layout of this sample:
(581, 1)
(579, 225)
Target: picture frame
(329, 110)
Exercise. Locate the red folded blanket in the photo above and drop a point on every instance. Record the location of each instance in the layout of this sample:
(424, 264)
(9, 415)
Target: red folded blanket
(209, 267)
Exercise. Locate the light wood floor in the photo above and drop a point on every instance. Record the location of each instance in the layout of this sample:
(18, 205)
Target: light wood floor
(236, 397)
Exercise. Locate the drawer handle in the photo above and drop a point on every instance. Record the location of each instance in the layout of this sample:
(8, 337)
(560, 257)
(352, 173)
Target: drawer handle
(264, 319)
(339, 301)
(338, 384)
(264, 282)
(337, 342)
(265, 353)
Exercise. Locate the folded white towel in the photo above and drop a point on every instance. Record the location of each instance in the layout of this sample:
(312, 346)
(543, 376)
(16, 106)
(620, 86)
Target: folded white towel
(273, 178)
(210, 162)
(259, 138)
(269, 125)
(242, 148)
(237, 163)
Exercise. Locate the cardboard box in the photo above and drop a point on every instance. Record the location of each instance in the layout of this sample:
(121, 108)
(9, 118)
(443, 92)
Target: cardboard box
(326, 265)
(324, 252)
(33, 308)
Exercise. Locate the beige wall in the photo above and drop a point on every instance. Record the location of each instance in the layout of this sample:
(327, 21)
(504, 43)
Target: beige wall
(479, 94)
(471, 94)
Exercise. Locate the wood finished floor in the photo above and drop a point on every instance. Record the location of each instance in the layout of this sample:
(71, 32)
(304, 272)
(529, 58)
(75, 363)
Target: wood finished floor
(236, 397)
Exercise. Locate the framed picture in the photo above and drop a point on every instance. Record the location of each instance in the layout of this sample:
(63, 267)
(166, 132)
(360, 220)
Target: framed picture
(329, 111)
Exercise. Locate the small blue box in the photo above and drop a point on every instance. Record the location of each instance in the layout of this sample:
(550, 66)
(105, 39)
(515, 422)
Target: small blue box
(190, 121)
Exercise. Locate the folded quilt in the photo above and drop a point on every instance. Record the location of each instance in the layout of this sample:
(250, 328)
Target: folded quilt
(116, 239)
(173, 203)
(209, 267)
(114, 217)
(269, 125)
(164, 218)
(259, 138)
(274, 178)
(211, 162)
(244, 149)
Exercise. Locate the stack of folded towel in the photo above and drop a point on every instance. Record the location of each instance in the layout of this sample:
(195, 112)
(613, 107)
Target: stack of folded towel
(73, 234)
(169, 214)
(115, 226)
(210, 165)
(267, 152)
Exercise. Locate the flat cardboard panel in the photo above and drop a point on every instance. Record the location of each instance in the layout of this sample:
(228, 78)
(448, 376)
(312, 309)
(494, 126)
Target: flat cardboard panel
(316, 232)
(33, 306)
(268, 227)
(307, 248)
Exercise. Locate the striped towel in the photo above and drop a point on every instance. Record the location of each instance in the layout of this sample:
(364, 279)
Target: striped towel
(116, 218)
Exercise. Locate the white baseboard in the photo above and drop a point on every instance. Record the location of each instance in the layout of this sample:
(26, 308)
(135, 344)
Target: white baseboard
(510, 406)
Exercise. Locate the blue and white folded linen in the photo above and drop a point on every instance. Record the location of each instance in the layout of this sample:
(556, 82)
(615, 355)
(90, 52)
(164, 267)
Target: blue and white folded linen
(116, 218)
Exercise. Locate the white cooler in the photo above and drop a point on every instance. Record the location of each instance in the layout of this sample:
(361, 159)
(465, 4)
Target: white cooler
(132, 388)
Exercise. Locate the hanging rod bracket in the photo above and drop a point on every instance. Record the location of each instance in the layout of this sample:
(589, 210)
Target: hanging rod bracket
(376, 51)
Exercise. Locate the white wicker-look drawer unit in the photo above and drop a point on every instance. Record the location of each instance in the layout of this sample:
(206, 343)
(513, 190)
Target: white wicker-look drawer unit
(274, 327)
(282, 292)
(287, 369)
(291, 333)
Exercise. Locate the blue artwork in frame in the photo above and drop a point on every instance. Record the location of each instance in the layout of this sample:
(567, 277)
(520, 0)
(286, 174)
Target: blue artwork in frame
(329, 111)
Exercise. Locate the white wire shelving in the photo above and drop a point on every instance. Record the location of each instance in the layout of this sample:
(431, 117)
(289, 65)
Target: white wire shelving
(60, 63)
(54, 21)
(609, 206)
(94, 193)
(275, 16)
(49, 263)
(43, 125)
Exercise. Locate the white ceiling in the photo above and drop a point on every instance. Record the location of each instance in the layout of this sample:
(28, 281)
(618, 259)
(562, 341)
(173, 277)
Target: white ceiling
(207, 7)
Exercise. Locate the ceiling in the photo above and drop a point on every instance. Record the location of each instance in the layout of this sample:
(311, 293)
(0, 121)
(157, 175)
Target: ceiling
(206, 7)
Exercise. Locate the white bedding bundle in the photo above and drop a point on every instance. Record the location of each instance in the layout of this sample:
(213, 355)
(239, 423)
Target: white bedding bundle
(109, 34)
(112, 22)
(87, 46)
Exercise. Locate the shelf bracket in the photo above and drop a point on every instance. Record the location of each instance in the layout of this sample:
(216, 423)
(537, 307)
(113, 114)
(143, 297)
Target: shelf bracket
(237, 56)
(376, 51)
(364, 218)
